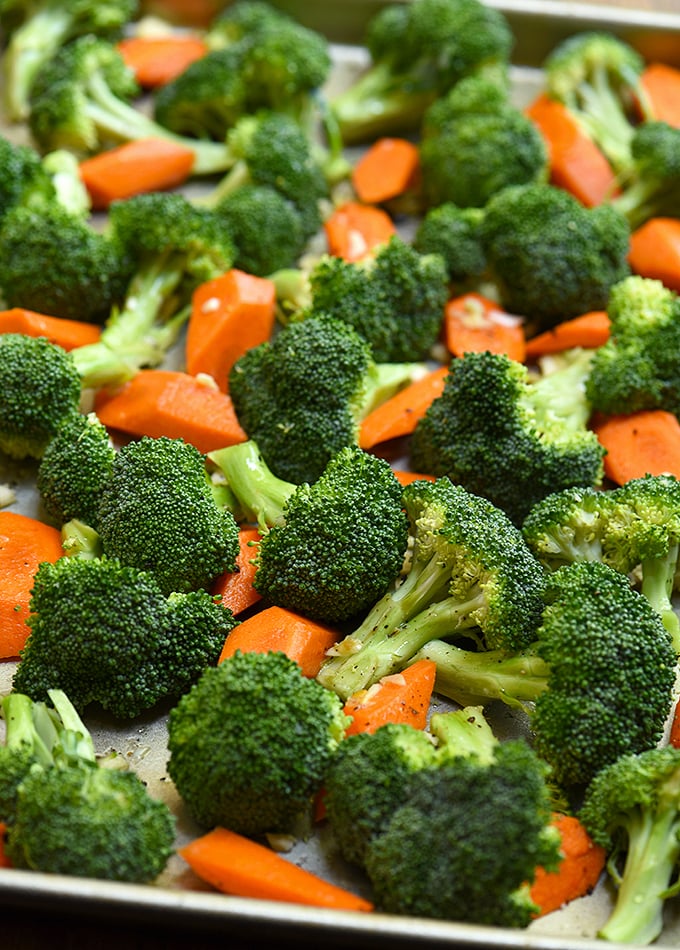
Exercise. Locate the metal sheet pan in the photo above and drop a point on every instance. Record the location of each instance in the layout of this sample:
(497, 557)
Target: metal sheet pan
(178, 898)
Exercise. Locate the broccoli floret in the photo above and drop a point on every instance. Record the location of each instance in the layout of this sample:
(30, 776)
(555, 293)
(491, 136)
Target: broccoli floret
(475, 142)
(453, 233)
(107, 634)
(507, 438)
(632, 808)
(467, 840)
(650, 185)
(251, 742)
(29, 737)
(418, 51)
(157, 513)
(638, 366)
(23, 179)
(470, 574)
(39, 390)
(35, 31)
(301, 396)
(75, 816)
(82, 100)
(550, 257)
(73, 470)
(242, 18)
(567, 525)
(54, 262)
(597, 76)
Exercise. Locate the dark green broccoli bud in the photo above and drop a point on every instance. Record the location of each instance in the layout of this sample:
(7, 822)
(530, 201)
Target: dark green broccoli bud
(254, 493)
(417, 52)
(74, 468)
(453, 233)
(251, 742)
(632, 808)
(481, 827)
(470, 575)
(507, 438)
(34, 33)
(650, 186)
(157, 513)
(340, 543)
(638, 367)
(54, 262)
(73, 815)
(550, 257)
(475, 142)
(302, 395)
(39, 390)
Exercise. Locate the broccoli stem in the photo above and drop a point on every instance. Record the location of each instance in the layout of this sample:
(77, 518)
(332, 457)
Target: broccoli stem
(385, 380)
(75, 741)
(464, 732)
(658, 574)
(31, 45)
(26, 727)
(603, 116)
(237, 176)
(260, 496)
(561, 393)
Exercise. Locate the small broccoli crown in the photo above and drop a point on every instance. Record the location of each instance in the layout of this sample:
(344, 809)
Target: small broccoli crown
(75, 466)
(242, 18)
(566, 526)
(39, 390)
(550, 257)
(157, 513)
(23, 179)
(53, 262)
(251, 743)
(485, 854)
(643, 522)
(452, 232)
(395, 301)
(651, 183)
(341, 542)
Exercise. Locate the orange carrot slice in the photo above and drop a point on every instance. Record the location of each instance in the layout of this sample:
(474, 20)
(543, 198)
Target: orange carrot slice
(388, 168)
(582, 864)
(405, 478)
(4, 860)
(157, 60)
(354, 230)
(65, 333)
(645, 442)
(655, 251)
(474, 323)
(661, 87)
(398, 415)
(589, 330)
(235, 588)
(674, 734)
(402, 697)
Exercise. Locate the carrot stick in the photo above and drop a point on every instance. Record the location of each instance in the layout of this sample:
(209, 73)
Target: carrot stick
(589, 330)
(25, 543)
(655, 251)
(353, 230)
(276, 629)
(160, 402)
(645, 442)
(474, 323)
(398, 415)
(388, 168)
(65, 333)
(661, 88)
(576, 163)
(229, 315)
(402, 697)
(240, 866)
(674, 734)
(582, 863)
(157, 60)
(236, 587)
(405, 478)
(4, 860)
(135, 168)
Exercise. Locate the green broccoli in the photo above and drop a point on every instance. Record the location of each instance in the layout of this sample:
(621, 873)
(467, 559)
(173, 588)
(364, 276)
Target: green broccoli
(30, 734)
(301, 395)
(39, 391)
(35, 31)
(453, 233)
(506, 437)
(71, 813)
(638, 367)
(550, 257)
(23, 178)
(632, 808)
(107, 634)
(157, 513)
(252, 492)
(470, 574)
(650, 185)
(474, 143)
(418, 51)
(567, 525)
(251, 742)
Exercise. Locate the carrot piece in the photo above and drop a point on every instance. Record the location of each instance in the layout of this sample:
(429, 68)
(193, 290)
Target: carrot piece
(157, 60)
(582, 863)
(661, 87)
(576, 163)
(405, 478)
(474, 323)
(353, 230)
(674, 734)
(276, 628)
(399, 414)
(402, 697)
(25, 543)
(240, 866)
(167, 402)
(4, 860)
(644, 442)
(229, 315)
(589, 330)
(65, 333)
(655, 251)
(135, 168)
(388, 168)
(236, 587)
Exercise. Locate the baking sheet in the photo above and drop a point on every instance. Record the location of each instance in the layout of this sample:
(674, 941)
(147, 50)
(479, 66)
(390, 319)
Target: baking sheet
(178, 896)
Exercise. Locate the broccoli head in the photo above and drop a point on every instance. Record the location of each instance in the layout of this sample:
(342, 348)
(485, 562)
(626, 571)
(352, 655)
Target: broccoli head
(650, 185)
(23, 179)
(453, 233)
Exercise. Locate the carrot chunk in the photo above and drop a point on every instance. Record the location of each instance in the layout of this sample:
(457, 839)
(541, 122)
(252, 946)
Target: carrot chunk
(235, 588)
(474, 323)
(402, 697)
(655, 251)
(582, 864)
(589, 330)
(157, 60)
(135, 168)
(65, 333)
(398, 415)
(645, 442)
(388, 168)
(354, 230)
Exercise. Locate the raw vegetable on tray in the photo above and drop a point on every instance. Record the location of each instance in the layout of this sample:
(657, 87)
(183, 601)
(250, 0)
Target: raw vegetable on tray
(350, 421)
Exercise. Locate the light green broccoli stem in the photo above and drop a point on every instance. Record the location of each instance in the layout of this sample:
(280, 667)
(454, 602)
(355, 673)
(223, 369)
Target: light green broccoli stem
(237, 176)
(74, 742)
(259, 495)
(29, 47)
(644, 198)
(558, 398)
(28, 724)
(63, 168)
(464, 732)
(658, 575)
(80, 540)
(600, 112)
(386, 380)
(293, 293)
